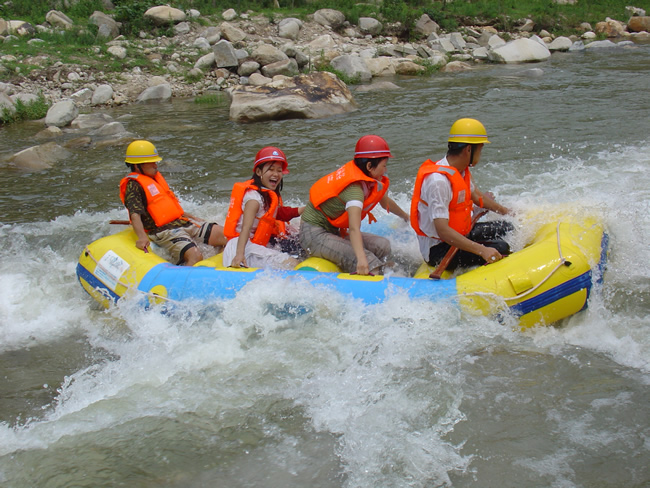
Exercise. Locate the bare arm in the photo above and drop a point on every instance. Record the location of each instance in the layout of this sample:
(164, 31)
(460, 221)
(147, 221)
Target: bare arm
(354, 230)
(456, 239)
(486, 201)
(392, 207)
(143, 239)
(250, 211)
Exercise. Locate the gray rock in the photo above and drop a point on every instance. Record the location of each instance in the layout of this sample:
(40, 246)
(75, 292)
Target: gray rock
(37, 158)
(368, 25)
(287, 67)
(102, 94)
(247, 68)
(59, 19)
(560, 44)
(329, 17)
(289, 28)
(426, 26)
(229, 15)
(205, 62)
(6, 104)
(156, 94)
(108, 28)
(520, 51)
(61, 113)
(231, 33)
(352, 67)
(224, 55)
(267, 54)
(164, 14)
(315, 95)
(91, 121)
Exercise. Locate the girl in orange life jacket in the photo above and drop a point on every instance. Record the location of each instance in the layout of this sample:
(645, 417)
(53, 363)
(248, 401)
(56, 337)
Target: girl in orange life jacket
(256, 212)
(155, 213)
(330, 226)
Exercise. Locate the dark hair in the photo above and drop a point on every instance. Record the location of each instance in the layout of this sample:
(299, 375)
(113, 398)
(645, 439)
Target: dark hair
(362, 164)
(132, 167)
(455, 148)
(257, 180)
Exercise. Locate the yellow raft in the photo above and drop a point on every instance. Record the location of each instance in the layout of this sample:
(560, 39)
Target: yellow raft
(546, 281)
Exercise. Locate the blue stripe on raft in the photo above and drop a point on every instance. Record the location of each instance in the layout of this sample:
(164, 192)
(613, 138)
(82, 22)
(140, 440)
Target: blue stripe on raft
(88, 277)
(584, 281)
(204, 283)
(554, 294)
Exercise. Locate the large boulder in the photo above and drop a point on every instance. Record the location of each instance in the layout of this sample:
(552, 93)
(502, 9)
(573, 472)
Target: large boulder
(61, 113)
(329, 18)
(309, 96)
(37, 158)
(520, 51)
(639, 24)
(107, 27)
(59, 19)
(156, 94)
(224, 55)
(371, 26)
(353, 67)
(164, 14)
(267, 54)
(231, 33)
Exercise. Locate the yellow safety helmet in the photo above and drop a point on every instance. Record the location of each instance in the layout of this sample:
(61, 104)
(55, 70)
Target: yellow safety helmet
(140, 152)
(468, 131)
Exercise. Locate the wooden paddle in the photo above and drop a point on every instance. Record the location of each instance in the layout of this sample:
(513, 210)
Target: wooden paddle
(436, 274)
(120, 222)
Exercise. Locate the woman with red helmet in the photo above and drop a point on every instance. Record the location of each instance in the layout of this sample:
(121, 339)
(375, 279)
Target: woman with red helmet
(256, 212)
(330, 226)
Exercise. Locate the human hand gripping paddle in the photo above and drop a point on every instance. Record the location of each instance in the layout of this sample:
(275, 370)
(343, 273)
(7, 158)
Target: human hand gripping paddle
(436, 274)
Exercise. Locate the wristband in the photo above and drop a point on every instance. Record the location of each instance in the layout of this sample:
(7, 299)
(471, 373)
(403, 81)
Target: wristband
(480, 202)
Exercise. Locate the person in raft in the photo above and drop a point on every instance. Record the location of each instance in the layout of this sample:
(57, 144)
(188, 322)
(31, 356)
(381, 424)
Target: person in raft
(330, 226)
(155, 212)
(444, 198)
(256, 212)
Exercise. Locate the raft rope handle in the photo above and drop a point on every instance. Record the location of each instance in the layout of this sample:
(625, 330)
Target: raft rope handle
(562, 262)
(119, 282)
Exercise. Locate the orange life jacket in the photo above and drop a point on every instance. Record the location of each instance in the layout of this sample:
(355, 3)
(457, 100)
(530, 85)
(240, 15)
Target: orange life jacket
(460, 207)
(162, 204)
(267, 226)
(331, 185)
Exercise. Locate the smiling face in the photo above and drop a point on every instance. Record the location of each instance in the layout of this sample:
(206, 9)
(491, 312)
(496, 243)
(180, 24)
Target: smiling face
(378, 171)
(270, 174)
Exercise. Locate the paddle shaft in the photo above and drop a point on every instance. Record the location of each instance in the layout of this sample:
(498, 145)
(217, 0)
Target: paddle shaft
(436, 274)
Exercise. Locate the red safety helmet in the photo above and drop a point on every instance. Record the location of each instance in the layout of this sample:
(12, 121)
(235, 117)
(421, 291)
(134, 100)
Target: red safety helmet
(372, 147)
(268, 154)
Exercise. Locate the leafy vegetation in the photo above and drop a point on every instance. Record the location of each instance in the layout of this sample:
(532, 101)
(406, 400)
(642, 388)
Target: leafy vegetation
(26, 111)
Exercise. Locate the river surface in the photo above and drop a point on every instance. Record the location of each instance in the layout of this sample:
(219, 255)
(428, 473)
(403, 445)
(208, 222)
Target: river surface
(250, 393)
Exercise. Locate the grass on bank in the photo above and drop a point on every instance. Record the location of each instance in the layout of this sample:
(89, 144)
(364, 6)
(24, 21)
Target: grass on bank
(449, 14)
(26, 111)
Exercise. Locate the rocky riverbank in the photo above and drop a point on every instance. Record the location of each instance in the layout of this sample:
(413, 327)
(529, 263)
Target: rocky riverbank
(255, 56)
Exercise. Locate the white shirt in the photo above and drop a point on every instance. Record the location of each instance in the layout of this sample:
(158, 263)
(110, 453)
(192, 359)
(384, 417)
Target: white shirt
(437, 192)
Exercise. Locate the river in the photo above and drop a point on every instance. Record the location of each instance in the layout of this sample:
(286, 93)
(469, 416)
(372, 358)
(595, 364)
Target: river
(251, 393)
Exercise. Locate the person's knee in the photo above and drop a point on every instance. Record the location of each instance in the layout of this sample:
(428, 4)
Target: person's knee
(191, 256)
(217, 237)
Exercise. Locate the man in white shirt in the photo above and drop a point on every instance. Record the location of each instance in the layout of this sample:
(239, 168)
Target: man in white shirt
(445, 197)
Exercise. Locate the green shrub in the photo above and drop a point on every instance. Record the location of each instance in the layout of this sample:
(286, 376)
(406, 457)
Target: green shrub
(26, 111)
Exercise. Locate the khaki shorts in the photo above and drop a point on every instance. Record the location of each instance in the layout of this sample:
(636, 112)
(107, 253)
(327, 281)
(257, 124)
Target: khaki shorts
(179, 240)
(322, 244)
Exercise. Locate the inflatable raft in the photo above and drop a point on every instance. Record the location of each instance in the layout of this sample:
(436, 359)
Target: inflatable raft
(546, 281)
